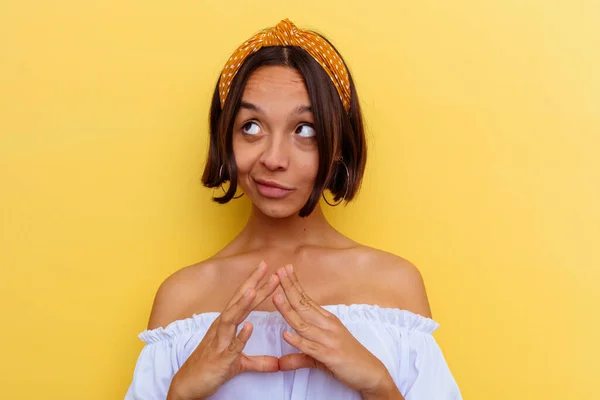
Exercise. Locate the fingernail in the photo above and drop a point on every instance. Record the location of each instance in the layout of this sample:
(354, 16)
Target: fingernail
(262, 264)
(289, 334)
(290, 268)
(282, 272)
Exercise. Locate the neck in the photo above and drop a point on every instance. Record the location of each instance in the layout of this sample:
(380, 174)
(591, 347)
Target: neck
(292, 232)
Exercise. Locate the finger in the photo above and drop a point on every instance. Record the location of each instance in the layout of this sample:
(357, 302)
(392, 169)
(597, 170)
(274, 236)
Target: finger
(296, 361)
(298, 300)
(245, 333)
(295, 320)
(265, 290)
(309, 347)
(259, 363)
(294, 296)
(251, 281)
(233, 316)
(261, 294)
(237, 344)
(294, 278)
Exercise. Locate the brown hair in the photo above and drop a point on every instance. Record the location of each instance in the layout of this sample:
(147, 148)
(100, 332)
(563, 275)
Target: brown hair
(340, 134)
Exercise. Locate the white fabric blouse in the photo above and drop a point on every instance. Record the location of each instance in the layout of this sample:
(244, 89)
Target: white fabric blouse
(402, 340)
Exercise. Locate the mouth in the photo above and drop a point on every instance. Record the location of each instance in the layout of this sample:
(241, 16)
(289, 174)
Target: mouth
(272, 189)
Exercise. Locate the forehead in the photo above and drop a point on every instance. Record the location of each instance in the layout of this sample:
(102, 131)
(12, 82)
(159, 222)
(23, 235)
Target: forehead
(277, 85)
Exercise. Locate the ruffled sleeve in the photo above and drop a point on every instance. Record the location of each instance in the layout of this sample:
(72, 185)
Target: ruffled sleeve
(404, 342)
(153, 372)
(164, 352)
(422, 372)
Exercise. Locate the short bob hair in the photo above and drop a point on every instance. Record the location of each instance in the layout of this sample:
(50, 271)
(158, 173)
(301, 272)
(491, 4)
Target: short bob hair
(340, 133)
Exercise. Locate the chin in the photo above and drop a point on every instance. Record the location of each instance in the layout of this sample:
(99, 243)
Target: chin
(274, 209)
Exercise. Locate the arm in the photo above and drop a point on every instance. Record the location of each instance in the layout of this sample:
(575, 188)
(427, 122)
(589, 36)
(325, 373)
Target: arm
(426, 371)
(386, 391)
(409, 285)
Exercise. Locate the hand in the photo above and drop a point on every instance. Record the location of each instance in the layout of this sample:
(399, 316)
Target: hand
(219, 356)
(326, 344)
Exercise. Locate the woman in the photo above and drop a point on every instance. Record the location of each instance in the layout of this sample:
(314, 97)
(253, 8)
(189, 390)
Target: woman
(306, 313)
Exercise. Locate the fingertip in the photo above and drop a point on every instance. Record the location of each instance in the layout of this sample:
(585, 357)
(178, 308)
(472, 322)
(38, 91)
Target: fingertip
(290, 362)
(284, 364)
(274, 279)
(289, 336)
(247, 329)
(282, 272)
(260, 364)
(272, 365)
(245, 332)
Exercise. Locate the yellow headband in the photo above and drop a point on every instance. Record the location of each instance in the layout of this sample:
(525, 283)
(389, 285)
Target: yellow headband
(286, 34)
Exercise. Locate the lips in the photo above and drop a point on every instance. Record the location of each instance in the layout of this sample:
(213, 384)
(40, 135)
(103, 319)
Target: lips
(272, 189)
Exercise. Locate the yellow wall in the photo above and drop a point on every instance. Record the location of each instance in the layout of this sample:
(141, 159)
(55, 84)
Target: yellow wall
(484, 127)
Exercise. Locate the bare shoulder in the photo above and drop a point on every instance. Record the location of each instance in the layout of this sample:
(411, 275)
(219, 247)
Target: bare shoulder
(400, 280)
(177, 294)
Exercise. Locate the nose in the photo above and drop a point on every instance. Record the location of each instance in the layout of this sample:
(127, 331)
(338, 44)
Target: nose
(276, 154)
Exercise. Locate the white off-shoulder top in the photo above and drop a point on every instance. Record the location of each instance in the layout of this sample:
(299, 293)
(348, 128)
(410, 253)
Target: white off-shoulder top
(402, 340)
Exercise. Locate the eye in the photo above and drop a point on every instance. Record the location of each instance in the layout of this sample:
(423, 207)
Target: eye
(251, 128)
(306, 131)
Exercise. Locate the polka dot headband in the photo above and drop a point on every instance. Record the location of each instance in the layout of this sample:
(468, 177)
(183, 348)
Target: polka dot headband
(287, 34)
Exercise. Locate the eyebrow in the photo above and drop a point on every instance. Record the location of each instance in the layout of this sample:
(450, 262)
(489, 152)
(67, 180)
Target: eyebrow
(302, 110)
(251, 106)
(298, 110)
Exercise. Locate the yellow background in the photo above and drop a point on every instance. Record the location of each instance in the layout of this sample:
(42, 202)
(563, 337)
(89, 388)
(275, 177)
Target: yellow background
(484, 170)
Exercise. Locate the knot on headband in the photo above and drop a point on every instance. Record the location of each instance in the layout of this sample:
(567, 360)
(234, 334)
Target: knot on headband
(286, 33)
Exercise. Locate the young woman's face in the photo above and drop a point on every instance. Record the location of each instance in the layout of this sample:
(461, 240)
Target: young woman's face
(274, 142)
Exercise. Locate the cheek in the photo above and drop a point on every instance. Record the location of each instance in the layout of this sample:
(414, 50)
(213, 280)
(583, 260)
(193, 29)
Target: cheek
(244, 157)
(309, 167)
